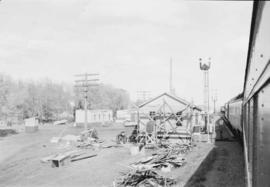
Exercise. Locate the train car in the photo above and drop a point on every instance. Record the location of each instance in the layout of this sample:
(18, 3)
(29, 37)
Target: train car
(234, 113)
(256, 100)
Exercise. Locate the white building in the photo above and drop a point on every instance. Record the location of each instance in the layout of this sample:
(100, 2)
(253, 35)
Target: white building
(31, 124)
(128, 115)
(94, 116)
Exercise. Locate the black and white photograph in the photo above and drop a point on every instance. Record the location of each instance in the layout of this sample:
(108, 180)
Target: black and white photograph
(134, 93)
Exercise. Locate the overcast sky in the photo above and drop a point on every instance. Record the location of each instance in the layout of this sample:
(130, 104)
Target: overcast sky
(129, 42)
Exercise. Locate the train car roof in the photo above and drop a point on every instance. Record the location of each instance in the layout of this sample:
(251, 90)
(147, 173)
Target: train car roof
(238, 97)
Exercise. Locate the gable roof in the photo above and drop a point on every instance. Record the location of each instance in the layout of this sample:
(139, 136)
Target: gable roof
(177, 99)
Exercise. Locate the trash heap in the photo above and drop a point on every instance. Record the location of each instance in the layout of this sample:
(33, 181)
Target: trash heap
(169, 157)
(144, 173)
(76, 148)
(144, 178)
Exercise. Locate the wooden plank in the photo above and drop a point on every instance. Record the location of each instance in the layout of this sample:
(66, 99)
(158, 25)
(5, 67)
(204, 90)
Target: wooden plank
(83, 157)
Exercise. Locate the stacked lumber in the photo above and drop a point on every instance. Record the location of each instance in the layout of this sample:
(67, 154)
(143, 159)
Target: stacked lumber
(144, 178)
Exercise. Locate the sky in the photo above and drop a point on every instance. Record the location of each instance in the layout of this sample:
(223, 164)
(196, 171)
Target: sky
(129, 43)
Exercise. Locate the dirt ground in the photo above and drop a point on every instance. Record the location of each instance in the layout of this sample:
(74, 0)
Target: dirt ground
(224, 165)
(21, 153)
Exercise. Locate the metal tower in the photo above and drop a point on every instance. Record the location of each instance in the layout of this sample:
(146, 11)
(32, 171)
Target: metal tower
(205, 68)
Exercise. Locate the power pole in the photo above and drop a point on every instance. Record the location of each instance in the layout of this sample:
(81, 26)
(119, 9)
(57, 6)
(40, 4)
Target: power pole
(214, 99)
(144, 95)
(83, 85)
(172, 91)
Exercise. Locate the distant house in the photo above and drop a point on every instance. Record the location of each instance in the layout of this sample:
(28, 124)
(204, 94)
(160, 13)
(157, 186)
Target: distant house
(31, 124)
(127, 117)
(94, 116)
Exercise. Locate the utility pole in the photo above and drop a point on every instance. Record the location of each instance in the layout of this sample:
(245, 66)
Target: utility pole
(214, 99)
(172, 91)
(205, 68)
(144, 95)
(83, 85)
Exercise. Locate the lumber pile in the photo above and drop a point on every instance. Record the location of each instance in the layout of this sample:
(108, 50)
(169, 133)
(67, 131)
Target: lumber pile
(144, 178)
(89, 143)
(145, 174)
(166, 158)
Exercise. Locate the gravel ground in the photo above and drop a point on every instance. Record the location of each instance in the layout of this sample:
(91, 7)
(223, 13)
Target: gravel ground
(228, 168)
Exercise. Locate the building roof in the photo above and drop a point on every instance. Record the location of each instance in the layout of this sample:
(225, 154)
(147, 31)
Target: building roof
(176, 99)
(166, 102)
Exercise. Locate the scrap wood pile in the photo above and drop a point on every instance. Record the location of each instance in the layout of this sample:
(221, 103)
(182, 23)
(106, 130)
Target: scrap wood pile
(87, 139)
(144, 178)
(167, 158)
(177, 148)
(144, 173)
(89, 143)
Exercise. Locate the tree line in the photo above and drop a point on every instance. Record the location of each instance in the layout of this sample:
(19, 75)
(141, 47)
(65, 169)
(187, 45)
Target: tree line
(49, 101)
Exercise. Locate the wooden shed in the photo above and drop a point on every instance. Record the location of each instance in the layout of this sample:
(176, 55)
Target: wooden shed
(166, 116)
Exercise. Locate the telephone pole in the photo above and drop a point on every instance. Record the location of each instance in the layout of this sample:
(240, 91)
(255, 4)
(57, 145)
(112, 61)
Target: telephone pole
(172, 91)
(144, 95)
(214, 99)
(83, 85)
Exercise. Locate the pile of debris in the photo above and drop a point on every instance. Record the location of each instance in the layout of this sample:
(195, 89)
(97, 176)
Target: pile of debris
(75, 148)
(144, 178)
(179, 148)
(145, 171)
(89, 140)
(166, 158)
